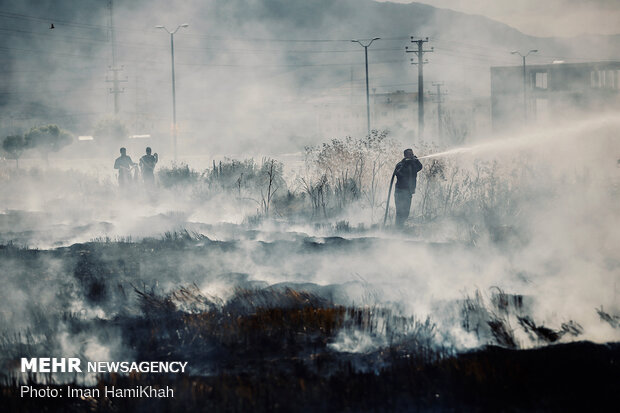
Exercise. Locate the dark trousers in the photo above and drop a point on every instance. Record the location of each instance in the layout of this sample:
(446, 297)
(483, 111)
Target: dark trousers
(402, 199)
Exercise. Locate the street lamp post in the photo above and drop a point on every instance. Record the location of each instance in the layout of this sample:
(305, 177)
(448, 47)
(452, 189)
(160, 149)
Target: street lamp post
(174, 96)
(367, 92)
(524, 78)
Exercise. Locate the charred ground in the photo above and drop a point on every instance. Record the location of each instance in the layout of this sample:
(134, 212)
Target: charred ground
(280, 347)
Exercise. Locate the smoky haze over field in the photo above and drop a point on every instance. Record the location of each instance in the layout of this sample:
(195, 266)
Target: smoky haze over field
(251, 76)
(531, 217)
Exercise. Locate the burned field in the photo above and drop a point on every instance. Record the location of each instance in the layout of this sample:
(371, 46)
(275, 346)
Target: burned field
(298, 221)
(283, 290)
(265, 346)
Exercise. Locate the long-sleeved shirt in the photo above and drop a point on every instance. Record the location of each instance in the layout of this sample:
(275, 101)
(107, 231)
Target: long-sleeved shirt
(123, 163)
(407, 173)
(147, 163)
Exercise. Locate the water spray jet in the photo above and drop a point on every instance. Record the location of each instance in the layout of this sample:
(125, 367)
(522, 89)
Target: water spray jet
(534, 139)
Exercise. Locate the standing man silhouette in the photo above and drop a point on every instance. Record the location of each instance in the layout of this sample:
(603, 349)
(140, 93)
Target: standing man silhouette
(124, 164)
(147, 166)
(407, 173)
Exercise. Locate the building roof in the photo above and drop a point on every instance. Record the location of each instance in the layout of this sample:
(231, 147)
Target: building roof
(605, 65)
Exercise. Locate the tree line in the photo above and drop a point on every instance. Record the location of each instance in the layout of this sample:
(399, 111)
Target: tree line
(42, 139)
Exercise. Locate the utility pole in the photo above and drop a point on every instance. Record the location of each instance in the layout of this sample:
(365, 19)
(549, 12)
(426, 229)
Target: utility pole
(174, 95)
(439, 95)
(351, 91)
(174, 99)
(137, 110)
(420, 53)
(367, 91)
(524, 79)
(115, 90)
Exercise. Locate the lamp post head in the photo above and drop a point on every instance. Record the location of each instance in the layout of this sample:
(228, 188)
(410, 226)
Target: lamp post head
(179, 26)
(365, 45)
(373, 39)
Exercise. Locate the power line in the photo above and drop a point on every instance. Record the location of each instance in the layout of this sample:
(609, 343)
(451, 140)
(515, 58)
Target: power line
(468, 44)
(292, 65)
(49, 52)
(115, 90)
(58, 22)
(224, 38)
(104, 28)
(439, 95)
(60, 91)
(183, 48)
(153, 62)
(211, 37)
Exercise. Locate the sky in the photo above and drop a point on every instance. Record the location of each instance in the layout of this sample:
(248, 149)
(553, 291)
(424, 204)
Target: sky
(564, 18)
(244, 70)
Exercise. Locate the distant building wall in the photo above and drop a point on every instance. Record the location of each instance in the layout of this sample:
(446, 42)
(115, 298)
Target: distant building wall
(552, 91)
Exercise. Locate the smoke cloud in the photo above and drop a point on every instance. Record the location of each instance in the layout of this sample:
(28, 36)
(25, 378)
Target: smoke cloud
(513, 225)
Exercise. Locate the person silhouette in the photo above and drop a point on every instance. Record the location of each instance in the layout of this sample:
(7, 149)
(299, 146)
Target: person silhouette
(124, 164)
(407, 173)
(147, 166)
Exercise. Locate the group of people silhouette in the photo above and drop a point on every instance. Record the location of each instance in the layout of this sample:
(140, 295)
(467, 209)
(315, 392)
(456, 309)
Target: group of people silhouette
(128, 172)
(406, 172)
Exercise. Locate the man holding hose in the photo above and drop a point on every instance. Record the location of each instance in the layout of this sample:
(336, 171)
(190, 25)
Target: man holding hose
(406, 172)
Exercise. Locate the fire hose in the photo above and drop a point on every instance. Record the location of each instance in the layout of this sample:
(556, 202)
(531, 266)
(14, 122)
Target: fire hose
(387, 204)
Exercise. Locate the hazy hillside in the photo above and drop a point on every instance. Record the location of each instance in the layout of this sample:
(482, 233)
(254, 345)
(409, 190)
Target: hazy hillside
(243, 63)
